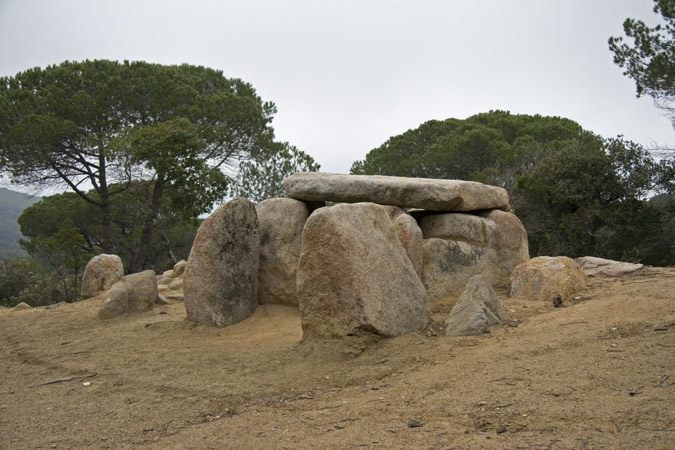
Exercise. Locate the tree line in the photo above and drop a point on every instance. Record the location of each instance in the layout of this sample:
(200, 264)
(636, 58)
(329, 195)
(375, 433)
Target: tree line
(146, 149)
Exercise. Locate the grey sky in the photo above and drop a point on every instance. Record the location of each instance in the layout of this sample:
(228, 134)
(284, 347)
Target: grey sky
(348, 74)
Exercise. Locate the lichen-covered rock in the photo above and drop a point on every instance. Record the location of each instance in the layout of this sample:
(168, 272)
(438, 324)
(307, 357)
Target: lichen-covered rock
(544, 277)
(280, 223)
(410, 235)
(456, 247)
(476, 309)
(221, 278)
(101, 272)
(354, 275)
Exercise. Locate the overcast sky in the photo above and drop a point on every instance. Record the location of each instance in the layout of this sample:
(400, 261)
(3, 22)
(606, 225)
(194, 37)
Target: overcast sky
(348, 74)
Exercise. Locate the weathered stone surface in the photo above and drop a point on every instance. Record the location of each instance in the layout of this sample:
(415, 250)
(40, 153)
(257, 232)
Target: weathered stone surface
(176, 283)
(410, 235)
(426, 193)
(354, 275)
(510, 241)
(393, 211)
(114, 303)
(593, 266)
(280, 222)
(179, 268)
(101, 272)
(448, 265)
(164, 280)
(543, 277)
(455, 226)
(221, 277)
(140, 289)
(476, 309)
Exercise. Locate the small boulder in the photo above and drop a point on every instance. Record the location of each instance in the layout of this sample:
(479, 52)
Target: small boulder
(593, 266)
(354, 275)
(101, 272)
(21, 306)
(280, 223)
(179, 268)
(221, 277)
(175, 284)
(475, 311)
(135, 292)
(114, 304)
(543, 277)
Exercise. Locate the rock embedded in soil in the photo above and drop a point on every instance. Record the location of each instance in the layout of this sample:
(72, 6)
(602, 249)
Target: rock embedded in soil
(354, 275)
(475, 311)
(101, 272)
(221, 278)
(544, 277)
(134, 292)
(280, 223)
(425, 193)
(593, 266)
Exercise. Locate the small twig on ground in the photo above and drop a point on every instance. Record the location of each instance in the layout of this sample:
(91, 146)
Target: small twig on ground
(662, 380)
(63, 380)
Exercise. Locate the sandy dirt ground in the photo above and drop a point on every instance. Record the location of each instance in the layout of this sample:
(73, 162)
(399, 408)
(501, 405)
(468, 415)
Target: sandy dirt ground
(596, 373)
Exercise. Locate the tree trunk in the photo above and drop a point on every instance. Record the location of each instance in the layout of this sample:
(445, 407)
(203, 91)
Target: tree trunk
(144, 244)
(106, 227)
(167, 245)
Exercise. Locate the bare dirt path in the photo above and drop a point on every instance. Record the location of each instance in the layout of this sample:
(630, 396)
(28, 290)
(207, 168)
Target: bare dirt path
(597, 373)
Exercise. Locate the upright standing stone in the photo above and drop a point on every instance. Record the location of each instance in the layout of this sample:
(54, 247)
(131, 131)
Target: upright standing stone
(101, 272)
(221, 277)
(354, 275)
(280, 223)
(425, 193)
(410, 235)
(510, 241)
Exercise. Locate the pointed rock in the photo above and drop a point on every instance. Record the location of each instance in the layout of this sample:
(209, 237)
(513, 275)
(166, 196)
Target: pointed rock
(475, 311)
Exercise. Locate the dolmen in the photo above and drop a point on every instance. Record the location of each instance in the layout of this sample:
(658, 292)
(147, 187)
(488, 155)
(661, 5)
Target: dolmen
(371, 263)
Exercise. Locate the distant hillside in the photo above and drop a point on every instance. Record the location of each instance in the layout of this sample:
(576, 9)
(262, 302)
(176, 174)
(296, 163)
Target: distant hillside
(12, 204)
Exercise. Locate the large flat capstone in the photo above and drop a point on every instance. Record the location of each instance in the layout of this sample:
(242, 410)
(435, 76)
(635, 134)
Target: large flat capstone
(426, 193)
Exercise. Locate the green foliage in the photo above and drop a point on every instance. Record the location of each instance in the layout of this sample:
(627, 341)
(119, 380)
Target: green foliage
(494, 147)
(24, 280)
(103, 124)
(262, 177)
(576, 193)
(62, 232)
(650, 59)
(11, 205)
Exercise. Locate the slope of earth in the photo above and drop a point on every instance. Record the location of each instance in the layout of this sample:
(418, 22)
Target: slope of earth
(596, 373)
